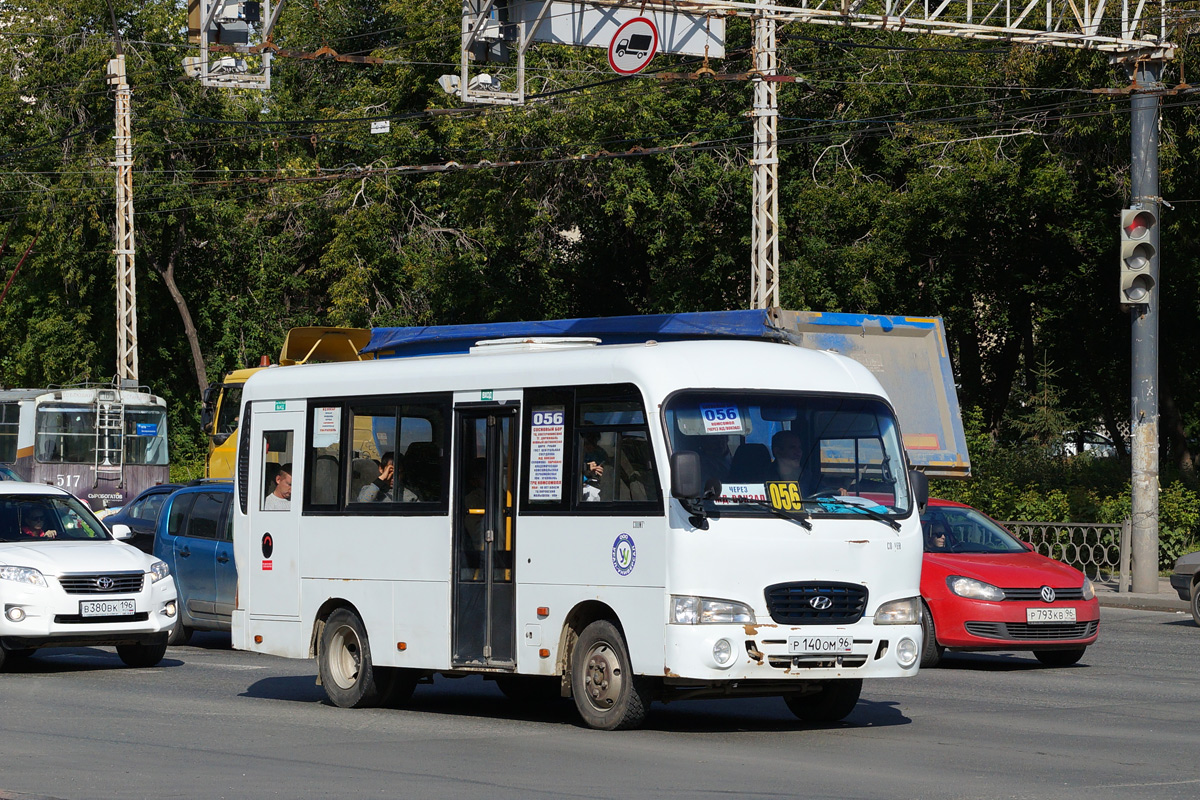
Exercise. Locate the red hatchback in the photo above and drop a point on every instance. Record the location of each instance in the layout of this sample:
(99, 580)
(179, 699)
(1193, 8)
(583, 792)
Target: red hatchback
(984, 589)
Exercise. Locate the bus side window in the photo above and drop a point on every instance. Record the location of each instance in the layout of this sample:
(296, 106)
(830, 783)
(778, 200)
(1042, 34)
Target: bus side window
(277, 471)
(325, 447)
(615, 464)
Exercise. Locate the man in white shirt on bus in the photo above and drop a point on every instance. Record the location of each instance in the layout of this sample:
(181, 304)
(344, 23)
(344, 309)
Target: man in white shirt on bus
(281, 498)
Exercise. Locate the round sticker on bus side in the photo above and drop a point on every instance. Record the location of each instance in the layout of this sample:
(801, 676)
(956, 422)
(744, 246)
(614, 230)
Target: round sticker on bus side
(624, 554)
(268, 545)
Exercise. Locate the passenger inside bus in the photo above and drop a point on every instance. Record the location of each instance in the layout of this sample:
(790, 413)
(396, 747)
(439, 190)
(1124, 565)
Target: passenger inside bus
(389, 484)
(594, 459)
(280, 484)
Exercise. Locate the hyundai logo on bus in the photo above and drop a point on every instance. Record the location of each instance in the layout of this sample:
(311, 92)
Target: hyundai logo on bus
(633, 46)
(821, 603)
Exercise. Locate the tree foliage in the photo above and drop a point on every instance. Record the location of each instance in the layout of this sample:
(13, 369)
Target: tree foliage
(976, 181)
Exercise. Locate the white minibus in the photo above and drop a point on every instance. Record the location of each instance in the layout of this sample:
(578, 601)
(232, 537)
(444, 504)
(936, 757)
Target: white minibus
(620, 524)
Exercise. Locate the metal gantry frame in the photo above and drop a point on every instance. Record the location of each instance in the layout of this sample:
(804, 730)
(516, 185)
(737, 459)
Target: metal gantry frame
(1128, 31)
(1134, 33)
(229, 71)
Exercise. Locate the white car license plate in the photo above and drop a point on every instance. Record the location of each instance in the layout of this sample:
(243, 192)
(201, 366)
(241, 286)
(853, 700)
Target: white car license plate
(1036, 615)
(818, 645)
(106, 608)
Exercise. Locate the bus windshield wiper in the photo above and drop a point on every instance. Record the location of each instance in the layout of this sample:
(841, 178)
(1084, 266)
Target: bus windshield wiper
(875, 515)
(801, 518)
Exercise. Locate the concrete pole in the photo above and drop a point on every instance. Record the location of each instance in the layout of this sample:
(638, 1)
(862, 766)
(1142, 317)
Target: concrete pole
(1144, 423)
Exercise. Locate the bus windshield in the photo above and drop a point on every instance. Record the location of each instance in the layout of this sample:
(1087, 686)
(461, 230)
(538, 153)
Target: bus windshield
(834, 454)
(66, 434)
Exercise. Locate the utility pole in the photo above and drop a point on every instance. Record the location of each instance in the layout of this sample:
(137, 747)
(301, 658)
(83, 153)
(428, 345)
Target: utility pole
(127, 346)
(1144, 420)
(764, 233)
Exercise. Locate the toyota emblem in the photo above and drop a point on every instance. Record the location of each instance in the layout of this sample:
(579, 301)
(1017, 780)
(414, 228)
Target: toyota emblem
(821, 603)
(1047, 594)
(104, 582)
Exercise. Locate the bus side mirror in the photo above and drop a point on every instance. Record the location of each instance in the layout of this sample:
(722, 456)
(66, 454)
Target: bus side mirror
(920, 486)
(685, 475)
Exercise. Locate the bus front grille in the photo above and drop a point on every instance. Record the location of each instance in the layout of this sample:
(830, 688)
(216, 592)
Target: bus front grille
(814, 603)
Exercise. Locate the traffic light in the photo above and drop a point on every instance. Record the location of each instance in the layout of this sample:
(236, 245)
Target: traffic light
(1136, 255)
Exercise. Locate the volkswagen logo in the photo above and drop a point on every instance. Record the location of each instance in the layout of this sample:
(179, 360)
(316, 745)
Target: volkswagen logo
(821, 603)
(104, 582)
(1047, 594)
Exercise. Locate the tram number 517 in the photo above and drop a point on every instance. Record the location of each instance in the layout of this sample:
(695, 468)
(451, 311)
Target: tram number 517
(66, 481)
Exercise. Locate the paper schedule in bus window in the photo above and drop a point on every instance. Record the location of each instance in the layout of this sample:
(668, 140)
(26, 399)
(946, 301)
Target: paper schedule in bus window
(546, 453)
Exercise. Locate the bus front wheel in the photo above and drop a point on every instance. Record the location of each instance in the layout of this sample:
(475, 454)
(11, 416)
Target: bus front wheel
(833, 702)
(608, 695)
(344, 663)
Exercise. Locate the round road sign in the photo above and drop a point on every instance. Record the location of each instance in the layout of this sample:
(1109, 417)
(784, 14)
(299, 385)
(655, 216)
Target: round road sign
(632, 47)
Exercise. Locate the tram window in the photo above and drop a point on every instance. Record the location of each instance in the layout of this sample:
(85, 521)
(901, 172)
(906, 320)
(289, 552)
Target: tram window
(10, 415)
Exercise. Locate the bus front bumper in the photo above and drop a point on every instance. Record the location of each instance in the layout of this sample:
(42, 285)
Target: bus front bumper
(780, 653)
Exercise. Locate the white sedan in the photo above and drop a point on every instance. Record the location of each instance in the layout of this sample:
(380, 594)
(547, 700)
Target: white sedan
(66, 581)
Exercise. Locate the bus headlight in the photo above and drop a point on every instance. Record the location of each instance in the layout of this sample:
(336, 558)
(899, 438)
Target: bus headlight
(899, 612)
(906, 652)
(158, 571)
(26, 575)
(708, 610)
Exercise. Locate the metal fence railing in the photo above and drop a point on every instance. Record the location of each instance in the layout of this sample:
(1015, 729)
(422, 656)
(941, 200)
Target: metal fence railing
(1102, 552)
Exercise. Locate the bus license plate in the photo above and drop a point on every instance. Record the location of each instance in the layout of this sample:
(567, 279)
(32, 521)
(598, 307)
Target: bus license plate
(1043, 615)
(106, 608)
(818, 645)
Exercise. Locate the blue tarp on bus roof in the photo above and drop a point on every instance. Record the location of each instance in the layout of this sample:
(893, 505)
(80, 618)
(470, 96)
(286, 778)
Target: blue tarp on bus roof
(907, 354)
(743, 324)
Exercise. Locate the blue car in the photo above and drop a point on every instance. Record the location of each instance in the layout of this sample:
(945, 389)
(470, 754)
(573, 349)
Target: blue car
(195, 538)
(141, 515)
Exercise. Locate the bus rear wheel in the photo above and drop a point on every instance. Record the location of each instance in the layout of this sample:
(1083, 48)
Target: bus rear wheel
(608, 696)
(344, 663)
(833, 702)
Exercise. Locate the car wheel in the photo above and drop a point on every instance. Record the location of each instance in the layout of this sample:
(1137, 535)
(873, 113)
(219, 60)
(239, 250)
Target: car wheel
(1195, 604)
(142, 655)
(608, 695)
(833, 703)
(344, 664)
(180, 634)
(1059, 658)
(931, 651)
(10, 658)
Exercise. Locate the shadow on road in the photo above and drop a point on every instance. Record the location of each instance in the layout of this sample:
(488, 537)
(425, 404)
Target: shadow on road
(57, 660)
(475, 697)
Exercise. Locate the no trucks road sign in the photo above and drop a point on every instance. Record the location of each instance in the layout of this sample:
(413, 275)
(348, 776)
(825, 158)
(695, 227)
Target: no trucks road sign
(633, 46)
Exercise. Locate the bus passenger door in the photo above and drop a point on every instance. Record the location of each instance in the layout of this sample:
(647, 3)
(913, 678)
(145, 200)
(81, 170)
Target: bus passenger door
(485, 536)
(277, 431)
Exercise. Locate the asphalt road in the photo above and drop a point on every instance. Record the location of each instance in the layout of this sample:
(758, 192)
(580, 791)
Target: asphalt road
(212, 722)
